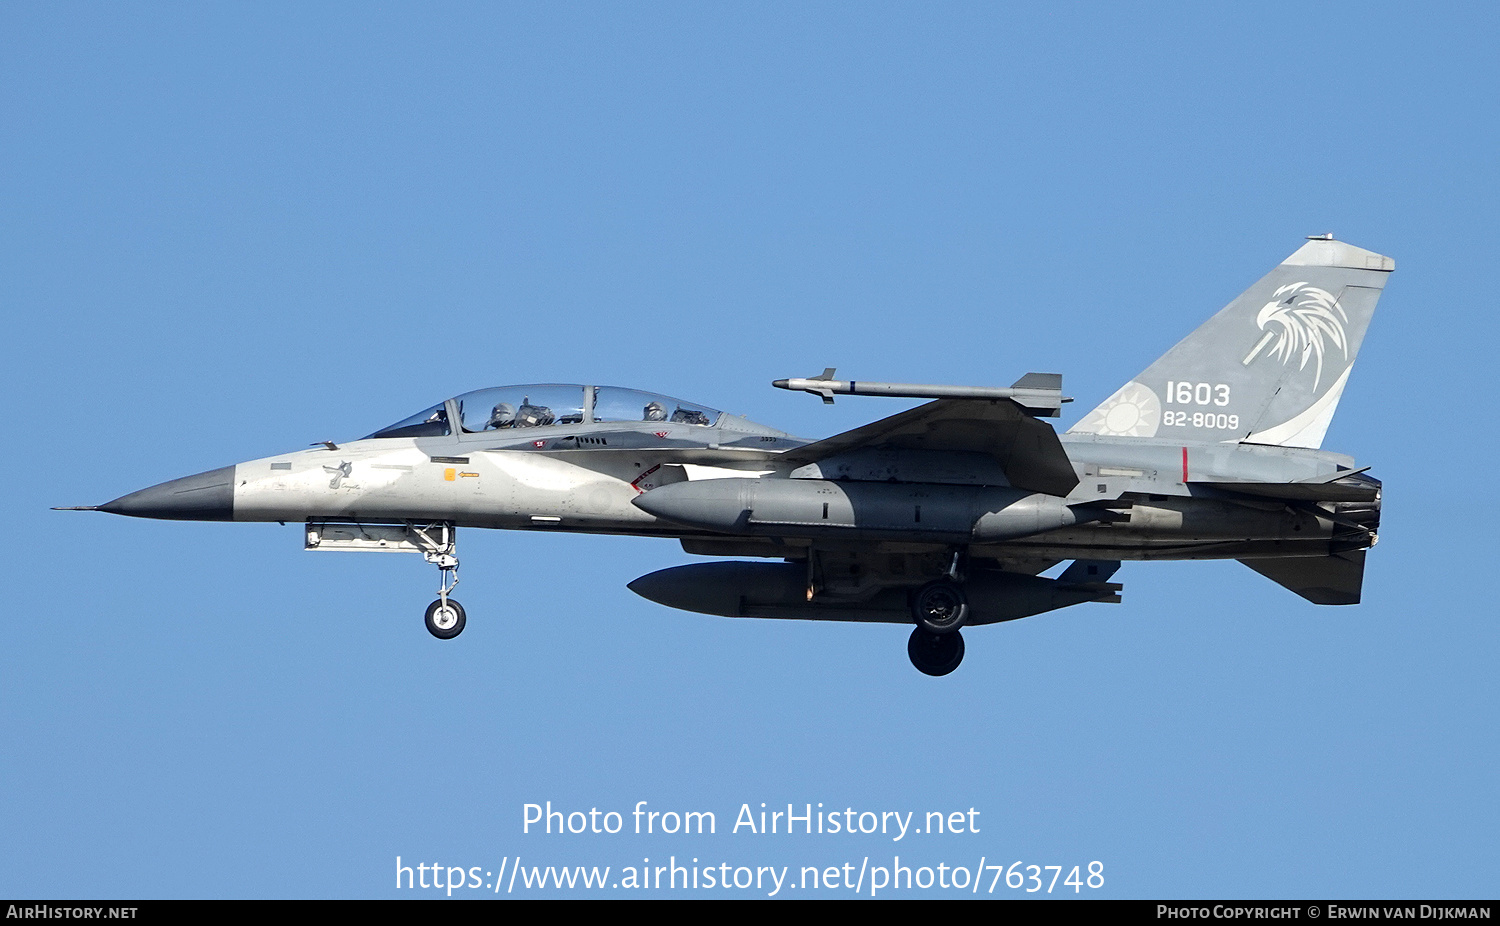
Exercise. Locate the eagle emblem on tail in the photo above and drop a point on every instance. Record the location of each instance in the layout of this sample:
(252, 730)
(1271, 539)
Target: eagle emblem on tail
(1301, 321)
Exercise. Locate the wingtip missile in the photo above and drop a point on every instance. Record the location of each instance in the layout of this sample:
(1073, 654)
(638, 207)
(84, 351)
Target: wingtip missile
(817, 385)
(1038, 393)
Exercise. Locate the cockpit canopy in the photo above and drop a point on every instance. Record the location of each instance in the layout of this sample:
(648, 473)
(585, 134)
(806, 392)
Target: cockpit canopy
(547, 405)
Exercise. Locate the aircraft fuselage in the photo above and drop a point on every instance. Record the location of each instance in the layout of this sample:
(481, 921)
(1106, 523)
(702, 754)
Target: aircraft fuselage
(1134, 499)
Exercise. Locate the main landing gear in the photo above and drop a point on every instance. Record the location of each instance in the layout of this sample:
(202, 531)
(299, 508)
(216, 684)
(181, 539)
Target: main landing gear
(935, 653)
(939, 608)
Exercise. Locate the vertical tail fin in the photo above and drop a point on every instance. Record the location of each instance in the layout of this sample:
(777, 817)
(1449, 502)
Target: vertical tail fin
(1269, 368)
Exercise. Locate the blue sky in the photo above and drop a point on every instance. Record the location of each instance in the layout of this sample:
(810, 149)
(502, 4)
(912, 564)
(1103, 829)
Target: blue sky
(236, 229)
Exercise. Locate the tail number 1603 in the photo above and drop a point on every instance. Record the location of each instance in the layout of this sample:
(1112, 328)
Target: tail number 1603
(1197, 394)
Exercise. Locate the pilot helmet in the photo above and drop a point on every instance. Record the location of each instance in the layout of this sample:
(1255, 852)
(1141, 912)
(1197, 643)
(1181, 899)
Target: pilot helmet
(503, 414)
(656, 411)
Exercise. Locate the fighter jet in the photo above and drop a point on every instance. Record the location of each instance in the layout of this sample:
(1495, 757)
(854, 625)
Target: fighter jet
(940, 517)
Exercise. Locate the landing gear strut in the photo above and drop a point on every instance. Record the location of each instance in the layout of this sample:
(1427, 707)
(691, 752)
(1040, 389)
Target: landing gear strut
(445, 617)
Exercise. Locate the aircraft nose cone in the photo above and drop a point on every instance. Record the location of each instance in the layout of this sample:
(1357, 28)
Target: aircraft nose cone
(205, 497)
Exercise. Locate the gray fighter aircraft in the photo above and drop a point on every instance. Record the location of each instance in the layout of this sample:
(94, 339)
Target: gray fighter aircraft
(941, 516)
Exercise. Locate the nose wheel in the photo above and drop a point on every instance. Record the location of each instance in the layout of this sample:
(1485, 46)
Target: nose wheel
(445, 619)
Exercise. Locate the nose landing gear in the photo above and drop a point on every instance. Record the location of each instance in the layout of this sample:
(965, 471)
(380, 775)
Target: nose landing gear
(445, 617)
(437, 541)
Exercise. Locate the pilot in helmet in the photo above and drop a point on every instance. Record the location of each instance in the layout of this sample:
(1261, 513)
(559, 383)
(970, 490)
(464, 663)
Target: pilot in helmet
(656, 412)
(503, 416)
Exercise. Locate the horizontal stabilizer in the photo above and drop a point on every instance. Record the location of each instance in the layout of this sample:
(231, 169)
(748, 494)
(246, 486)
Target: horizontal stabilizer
(1027, 449)
(1335, 579)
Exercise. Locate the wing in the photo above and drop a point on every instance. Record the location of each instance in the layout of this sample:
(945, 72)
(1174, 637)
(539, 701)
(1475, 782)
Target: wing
(1027, 449)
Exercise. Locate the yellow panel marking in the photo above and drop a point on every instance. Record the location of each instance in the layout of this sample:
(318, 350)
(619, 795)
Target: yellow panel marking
(448, 474)
(468, 475)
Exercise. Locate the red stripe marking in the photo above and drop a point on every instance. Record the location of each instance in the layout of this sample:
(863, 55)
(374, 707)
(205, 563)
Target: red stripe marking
(637, 483)
(1184, 465)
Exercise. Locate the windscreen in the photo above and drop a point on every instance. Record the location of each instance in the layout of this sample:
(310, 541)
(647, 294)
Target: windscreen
(432, 422)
